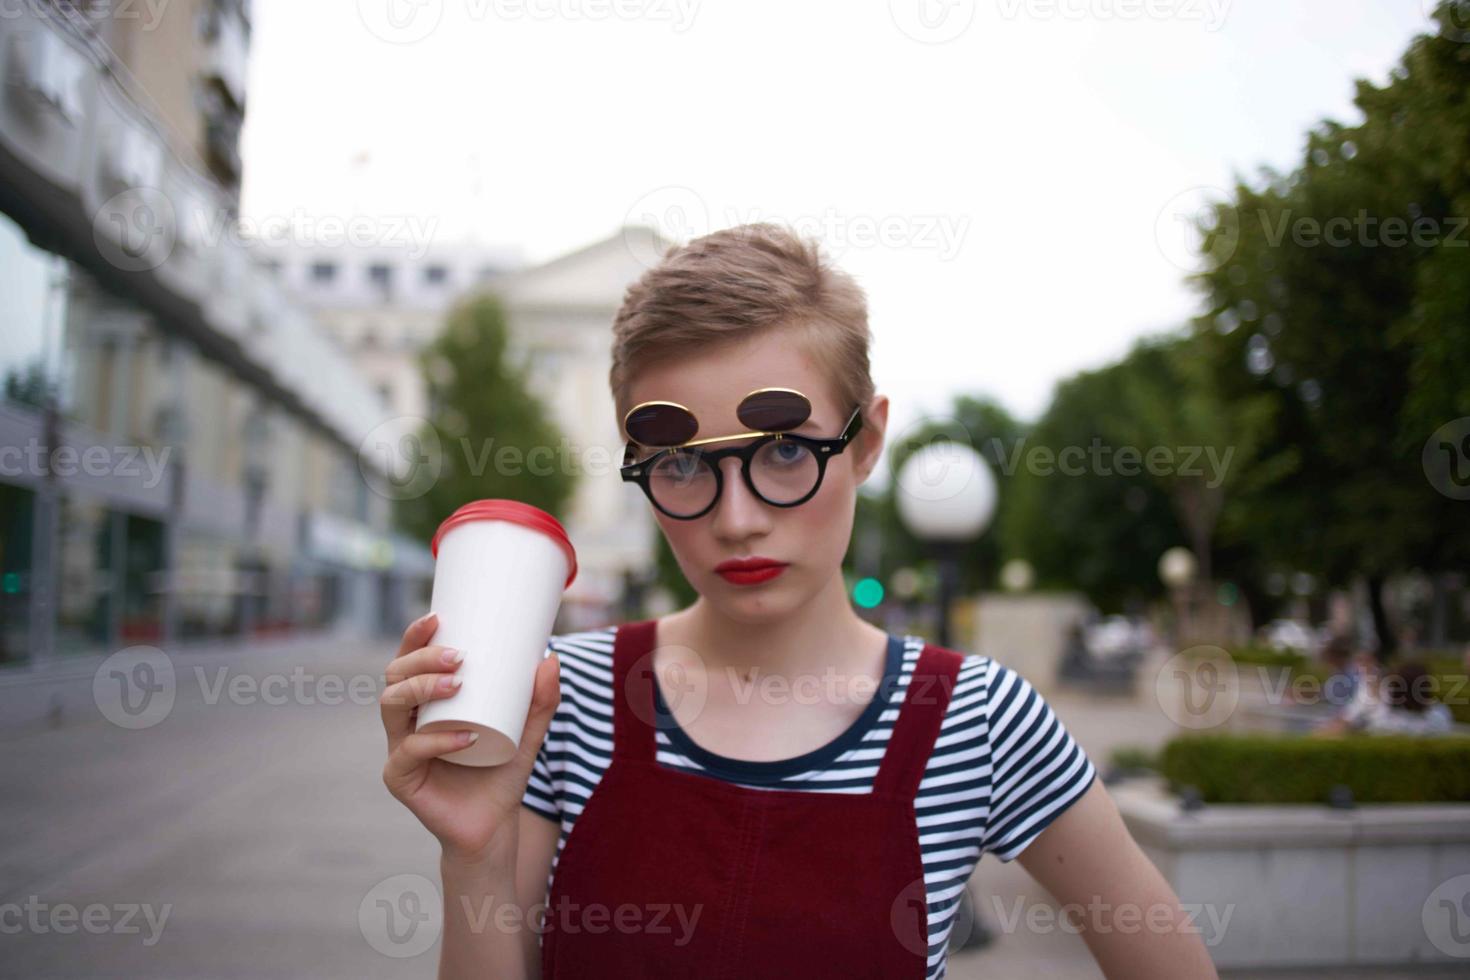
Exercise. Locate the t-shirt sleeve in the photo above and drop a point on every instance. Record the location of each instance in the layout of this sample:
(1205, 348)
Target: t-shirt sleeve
(541, 791)
(1037, 768)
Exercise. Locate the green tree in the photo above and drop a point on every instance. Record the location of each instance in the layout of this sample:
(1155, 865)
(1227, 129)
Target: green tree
(1341, 292)
(1092, 529)
(486, 422)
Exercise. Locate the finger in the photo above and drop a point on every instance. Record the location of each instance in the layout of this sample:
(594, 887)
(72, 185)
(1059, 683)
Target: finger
(398, 701)
(434, 658)
(415, 750)
(418, 633)
(545, 696)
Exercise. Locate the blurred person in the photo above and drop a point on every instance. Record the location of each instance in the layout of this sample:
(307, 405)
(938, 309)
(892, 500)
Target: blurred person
(1410, 705)
(1342, 684)
(1400, 701)
(780, 836)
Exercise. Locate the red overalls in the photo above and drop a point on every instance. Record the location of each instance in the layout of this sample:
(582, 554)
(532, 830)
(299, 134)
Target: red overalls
(676, 874)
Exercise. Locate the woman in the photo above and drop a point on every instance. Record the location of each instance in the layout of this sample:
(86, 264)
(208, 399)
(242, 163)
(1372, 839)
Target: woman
(761, 784)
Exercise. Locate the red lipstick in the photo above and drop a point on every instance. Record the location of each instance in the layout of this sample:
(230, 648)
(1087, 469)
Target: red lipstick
(750, 571)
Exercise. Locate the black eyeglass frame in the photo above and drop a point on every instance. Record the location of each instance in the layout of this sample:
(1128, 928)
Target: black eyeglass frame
(822, 449)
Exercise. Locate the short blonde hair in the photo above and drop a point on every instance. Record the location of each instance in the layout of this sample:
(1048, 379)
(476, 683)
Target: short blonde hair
(739, 283)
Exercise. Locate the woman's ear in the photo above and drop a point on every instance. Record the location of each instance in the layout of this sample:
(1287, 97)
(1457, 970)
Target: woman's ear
(869, 442)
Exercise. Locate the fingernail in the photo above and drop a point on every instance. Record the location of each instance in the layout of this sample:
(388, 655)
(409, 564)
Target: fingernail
(455, 680)
(453, 656)
(423, 619)
(469, 738)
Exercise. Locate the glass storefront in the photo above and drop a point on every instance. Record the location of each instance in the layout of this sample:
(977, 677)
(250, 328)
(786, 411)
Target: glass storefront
(109, 567)
(17, 517)
(85, 575)
(32, 310)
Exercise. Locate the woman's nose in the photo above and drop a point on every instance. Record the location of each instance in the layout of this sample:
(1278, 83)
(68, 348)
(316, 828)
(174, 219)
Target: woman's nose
(739, 513)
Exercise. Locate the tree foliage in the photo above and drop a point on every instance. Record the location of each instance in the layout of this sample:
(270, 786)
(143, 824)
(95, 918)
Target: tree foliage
(486, 422)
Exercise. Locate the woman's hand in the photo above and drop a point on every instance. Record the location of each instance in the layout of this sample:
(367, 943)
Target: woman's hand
(472, 810)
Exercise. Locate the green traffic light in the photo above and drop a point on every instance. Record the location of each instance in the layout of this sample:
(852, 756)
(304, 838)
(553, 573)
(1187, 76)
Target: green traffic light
(868, 592)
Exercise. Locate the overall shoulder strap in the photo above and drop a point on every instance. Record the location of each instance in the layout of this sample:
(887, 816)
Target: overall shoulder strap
(632, 691)
(919, 719)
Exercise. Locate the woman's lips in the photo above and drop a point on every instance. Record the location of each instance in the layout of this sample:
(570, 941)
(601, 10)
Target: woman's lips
(753, 576)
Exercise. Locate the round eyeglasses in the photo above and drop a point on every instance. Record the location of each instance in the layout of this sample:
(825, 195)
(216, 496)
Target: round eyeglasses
(781, 468)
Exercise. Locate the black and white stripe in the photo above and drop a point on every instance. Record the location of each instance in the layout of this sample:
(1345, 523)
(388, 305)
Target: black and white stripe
(1003, 765)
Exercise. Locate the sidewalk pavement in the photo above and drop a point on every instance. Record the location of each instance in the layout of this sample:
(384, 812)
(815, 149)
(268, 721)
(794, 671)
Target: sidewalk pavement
(256, 831)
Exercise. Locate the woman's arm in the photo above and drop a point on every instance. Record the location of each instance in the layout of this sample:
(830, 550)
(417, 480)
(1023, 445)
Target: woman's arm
(490, 910)
(1130, 917)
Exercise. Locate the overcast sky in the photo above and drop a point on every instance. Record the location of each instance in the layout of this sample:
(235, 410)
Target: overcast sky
(1004, 176)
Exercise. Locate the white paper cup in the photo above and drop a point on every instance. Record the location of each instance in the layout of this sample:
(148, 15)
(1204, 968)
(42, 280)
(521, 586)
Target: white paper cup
(500, 569)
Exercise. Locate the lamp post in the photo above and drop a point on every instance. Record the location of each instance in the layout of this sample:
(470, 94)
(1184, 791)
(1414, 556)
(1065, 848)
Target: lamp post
(946, 497)
(1177, 568)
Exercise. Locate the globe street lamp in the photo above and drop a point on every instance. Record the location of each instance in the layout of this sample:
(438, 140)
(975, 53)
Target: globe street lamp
(946, 497)
(1177, 568)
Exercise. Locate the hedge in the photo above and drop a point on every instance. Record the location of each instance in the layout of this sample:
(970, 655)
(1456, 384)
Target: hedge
(1298, 769)
(1267, 656)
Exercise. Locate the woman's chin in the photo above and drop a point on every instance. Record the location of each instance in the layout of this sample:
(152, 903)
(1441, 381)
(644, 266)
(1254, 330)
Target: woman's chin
(754, 605)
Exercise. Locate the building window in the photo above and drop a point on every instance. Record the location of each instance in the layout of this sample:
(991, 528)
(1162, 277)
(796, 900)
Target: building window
(436, 275)
(323, 273)
(385, 392)
(380, 275)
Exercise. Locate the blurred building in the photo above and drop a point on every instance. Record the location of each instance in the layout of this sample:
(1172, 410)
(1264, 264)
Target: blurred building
(383, 303)
(189, 58)
(561, 316)
(178, 442)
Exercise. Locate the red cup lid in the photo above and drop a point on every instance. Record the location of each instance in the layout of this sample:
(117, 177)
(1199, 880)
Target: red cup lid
(517, 513)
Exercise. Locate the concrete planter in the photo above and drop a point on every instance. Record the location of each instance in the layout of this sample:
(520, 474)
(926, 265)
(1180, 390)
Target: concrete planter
(1379, 884)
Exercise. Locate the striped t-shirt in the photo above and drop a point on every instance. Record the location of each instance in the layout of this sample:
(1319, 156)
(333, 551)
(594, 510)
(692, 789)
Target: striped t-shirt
(1003, 765)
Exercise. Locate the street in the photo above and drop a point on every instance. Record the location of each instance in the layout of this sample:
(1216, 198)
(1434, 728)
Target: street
(246, 832)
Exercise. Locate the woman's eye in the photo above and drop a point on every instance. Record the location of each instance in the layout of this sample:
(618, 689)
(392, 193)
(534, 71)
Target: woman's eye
(789, 452)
